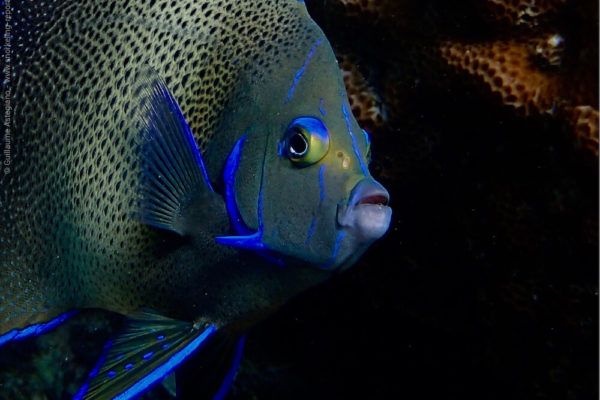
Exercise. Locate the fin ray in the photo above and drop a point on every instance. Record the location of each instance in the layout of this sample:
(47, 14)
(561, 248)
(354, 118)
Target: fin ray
(172, 165)
(148, 350)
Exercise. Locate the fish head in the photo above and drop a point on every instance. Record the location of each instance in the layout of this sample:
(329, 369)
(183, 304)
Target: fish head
(298, 184)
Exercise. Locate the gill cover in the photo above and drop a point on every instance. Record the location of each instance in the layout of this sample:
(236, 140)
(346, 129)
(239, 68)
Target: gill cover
(297, 183)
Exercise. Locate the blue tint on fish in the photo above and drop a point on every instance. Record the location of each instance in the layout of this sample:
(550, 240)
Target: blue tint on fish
(231, 167)
(188, 134)
(84, 388)
(302, 69)
(246, 238)
(166, 368)
(311, 230)
(173, 166)
(228, 380)
(322, 183)
(313, 223)
(321, 109)
(367, 138)
(364, 168)
(336, 248)
(35, 330)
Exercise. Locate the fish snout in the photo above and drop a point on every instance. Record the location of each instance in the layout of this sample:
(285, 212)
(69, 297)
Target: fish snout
(367, 214)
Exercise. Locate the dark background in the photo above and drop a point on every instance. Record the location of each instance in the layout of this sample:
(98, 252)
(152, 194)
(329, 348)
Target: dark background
(485, 286)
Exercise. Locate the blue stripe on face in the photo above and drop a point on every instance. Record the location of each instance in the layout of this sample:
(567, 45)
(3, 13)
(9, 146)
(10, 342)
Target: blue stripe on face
(313, 223)
(321, 109)
(367, 138)
(336, 249)
(311, 230)
(301, 71)
(247, 239)
(231, 167)
(322, 183)
(364, 168)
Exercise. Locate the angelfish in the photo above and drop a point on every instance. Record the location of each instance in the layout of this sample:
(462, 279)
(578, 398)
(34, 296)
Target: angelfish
(192, 165)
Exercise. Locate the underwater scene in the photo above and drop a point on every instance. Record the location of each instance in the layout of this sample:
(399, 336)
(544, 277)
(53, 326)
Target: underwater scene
(299, 199)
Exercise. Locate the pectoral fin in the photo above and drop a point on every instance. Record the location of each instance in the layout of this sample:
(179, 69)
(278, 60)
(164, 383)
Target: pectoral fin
(149, 349)
(173, 170)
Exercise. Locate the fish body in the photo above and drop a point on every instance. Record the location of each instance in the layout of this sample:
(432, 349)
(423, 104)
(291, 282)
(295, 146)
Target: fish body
(194, 158)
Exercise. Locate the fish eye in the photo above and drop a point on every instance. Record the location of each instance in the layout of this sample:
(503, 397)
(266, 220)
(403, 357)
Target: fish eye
(298, 145)
(306, 141)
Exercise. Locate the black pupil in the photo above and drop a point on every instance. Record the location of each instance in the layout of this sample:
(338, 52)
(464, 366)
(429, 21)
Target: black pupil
(298, 145)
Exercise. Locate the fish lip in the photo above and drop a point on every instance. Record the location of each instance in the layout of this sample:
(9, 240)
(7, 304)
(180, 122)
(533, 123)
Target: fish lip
(366, 215)
(368, 192)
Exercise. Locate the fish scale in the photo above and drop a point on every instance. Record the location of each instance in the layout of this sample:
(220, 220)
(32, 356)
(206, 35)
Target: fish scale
(190, 164)
(86, 54)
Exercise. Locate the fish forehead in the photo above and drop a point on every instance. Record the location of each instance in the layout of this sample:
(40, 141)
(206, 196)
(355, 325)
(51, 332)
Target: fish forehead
(73, 87)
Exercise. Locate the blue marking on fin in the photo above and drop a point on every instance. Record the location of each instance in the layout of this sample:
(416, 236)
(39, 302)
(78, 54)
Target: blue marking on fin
(187, 132)
(36, 329)
(84, 388)
(173, 166)
(364, 168)
(229, 377)
(302, 69)
(167, 367)
(146, 360)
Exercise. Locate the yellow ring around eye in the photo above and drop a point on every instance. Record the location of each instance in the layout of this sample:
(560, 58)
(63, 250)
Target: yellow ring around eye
(316, 136)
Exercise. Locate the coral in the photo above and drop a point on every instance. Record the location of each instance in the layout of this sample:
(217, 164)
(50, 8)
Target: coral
(584, 120)
(529, 13)
(526, 75)
(536, 57)
(366, 104)
(508, 69)
(379, 9)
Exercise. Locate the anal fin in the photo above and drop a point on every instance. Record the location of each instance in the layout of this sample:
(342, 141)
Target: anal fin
(35, 329)
(147, 351)
(170, 384)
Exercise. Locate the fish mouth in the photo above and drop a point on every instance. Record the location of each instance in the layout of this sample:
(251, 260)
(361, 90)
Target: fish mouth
(367, 215)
